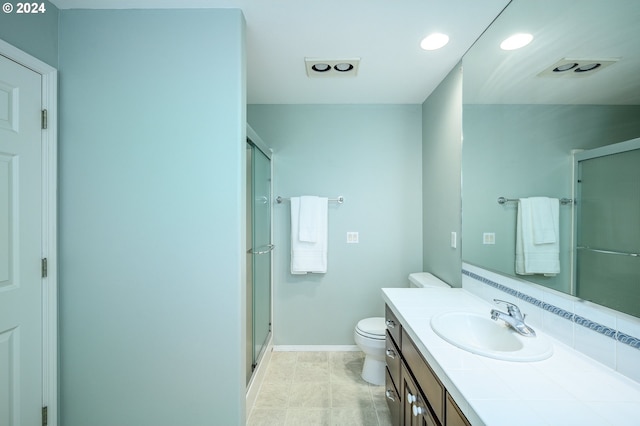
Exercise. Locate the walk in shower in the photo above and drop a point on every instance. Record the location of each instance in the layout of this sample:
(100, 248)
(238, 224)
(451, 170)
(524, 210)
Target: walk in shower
(608, 226)
(259, 248)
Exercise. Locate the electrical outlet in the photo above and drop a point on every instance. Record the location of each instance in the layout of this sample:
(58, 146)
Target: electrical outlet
(489, 238)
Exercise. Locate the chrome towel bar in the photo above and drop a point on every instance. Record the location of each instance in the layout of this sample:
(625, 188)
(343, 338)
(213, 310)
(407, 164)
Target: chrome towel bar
(502, 200)
(339, 199)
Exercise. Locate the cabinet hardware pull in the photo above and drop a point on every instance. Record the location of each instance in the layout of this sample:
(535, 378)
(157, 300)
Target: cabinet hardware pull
(417, 410)
(411, 398)
(391, 353)
(391, 324)
(390, 395)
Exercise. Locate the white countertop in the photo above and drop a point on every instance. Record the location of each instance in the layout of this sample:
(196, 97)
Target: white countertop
(566, 389)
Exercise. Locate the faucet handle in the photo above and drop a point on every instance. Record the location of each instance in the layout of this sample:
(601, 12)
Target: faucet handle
(511, 308)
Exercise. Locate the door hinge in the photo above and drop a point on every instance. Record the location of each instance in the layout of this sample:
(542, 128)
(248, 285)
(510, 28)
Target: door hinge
(44, 119)
(44, 416)
(44, 267)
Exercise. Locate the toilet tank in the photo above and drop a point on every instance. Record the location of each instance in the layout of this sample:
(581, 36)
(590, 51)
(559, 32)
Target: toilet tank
(425, 279)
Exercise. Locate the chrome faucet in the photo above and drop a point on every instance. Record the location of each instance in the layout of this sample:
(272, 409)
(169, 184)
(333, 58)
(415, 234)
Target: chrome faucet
(513, 317)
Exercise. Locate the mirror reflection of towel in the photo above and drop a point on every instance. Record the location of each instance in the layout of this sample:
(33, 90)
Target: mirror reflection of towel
(537, 236)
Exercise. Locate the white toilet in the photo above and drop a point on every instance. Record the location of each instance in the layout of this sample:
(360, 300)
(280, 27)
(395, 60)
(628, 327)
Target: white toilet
(370, 337)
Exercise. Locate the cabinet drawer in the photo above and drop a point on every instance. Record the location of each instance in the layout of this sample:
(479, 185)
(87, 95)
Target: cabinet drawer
(431, 386)
(393, 399)
(393, 359)
(393, 325)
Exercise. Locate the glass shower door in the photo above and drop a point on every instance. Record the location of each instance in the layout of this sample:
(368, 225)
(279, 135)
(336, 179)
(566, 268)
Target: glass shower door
(608, 229)
(261, 248)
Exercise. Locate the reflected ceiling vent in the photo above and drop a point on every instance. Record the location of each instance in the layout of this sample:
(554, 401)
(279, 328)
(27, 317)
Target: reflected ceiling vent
(577, 67)
(332, 67)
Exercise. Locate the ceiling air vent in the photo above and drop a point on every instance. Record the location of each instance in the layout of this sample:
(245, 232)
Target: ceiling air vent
(324, 68)
(577, 67)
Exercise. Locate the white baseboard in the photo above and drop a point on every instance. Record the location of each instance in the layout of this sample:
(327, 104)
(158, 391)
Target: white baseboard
(315, 348)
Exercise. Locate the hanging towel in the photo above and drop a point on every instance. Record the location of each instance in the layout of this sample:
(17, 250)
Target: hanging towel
(309, 256)
(537, 236)
(309, 222)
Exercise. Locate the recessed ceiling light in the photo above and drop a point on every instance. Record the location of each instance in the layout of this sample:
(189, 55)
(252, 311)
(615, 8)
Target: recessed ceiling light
(516, 41)
(343, 67)
(321, 67)
(327, 68)
(434, 41)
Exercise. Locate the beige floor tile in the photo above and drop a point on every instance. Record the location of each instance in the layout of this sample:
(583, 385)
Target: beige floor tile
(273, 395)
(267, 417)
(384, 417)
(307, 417)
(351, 395)
(353, 417)
(283, 358)
(313, 356)
(310, 395)
(379, 398)
(318, 388)
(346, 357)
(280, 373)
(311, 372)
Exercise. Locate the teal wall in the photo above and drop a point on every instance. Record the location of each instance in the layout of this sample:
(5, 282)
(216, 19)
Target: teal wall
(152, 216)
(523, 151)
(370, 154)
(441, 199)
(35, 34)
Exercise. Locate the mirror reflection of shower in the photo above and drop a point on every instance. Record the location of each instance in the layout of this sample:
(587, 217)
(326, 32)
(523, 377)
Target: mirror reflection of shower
(608, 226)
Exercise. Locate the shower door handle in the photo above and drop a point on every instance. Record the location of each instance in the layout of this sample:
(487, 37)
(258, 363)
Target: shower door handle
(268, 247)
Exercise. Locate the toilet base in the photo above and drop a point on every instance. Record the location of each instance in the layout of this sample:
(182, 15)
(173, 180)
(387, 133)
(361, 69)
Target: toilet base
(373, 371)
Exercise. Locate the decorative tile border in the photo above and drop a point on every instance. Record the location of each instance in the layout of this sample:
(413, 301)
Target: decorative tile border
(621, 337)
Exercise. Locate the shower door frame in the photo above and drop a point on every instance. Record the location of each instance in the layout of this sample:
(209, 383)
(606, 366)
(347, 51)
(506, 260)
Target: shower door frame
(254, 359)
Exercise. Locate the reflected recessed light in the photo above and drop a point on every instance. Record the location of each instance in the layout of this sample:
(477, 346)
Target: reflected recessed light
(516, 41)
(565, 67)
(587, 67)
(321, 67)
(434, 41)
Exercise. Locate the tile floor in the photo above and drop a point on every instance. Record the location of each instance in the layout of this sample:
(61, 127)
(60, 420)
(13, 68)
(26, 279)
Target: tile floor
(318, 388)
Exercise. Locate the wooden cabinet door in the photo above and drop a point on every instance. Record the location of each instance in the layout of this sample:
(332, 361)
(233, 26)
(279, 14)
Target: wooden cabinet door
(415, 411)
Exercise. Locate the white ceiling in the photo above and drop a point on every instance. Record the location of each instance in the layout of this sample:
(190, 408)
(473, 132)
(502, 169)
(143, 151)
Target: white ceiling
(384, 34)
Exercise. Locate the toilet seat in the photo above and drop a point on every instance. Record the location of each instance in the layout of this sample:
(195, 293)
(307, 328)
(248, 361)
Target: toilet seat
(372, 328)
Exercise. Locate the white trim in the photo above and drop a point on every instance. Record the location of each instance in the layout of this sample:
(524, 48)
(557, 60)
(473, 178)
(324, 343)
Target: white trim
(49, 225)
(316, 348)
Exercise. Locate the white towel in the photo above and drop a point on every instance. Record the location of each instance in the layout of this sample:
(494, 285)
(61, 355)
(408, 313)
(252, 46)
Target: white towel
(307, 256)
(309, 222)
(537, 236)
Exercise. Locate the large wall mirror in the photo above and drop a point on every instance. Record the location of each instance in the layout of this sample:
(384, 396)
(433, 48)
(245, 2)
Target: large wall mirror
(528, 113)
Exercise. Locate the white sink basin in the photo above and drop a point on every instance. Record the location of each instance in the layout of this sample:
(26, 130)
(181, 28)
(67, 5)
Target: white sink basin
(481, 335)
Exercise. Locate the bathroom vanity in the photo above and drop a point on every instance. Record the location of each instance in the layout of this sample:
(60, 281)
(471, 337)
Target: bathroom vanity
(414, 394)
(432, 382)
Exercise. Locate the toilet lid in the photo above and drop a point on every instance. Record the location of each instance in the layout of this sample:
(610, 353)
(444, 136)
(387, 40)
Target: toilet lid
(373, 328)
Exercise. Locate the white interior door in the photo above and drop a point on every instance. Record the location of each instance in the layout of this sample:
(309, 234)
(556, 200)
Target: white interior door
(21, 338)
